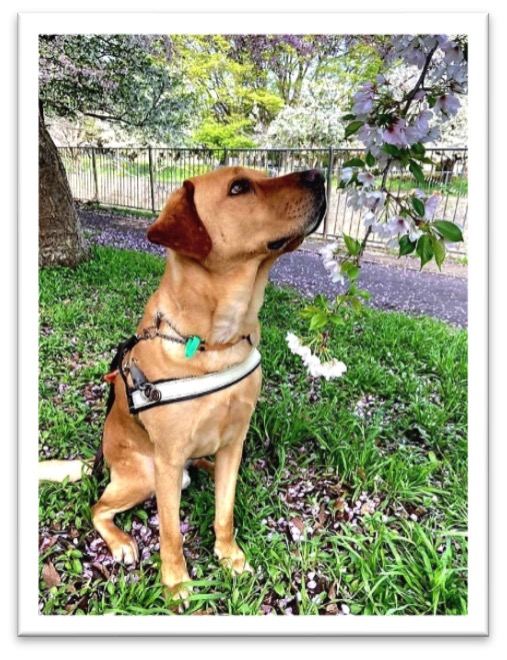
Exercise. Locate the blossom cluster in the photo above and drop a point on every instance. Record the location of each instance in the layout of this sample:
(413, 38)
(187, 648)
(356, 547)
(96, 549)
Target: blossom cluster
(394, 119)
(328, 370)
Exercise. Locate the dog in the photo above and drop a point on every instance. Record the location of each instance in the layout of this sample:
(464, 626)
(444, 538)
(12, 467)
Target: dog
(223, 230)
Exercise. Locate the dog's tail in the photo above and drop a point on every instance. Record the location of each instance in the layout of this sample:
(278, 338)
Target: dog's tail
(56, 470)
(60, 470)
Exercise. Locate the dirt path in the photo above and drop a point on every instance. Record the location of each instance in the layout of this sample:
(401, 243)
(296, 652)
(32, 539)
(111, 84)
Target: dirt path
(393, 287)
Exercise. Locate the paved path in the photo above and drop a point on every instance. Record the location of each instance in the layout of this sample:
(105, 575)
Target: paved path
(402, 289)
(393, 288)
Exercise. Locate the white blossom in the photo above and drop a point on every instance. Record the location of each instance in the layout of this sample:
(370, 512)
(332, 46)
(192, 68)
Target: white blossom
(346, 174)
(367, 179)
(414, 234)
(328, 370)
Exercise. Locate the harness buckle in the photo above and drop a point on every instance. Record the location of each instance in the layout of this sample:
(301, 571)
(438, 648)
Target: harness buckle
(151, 392)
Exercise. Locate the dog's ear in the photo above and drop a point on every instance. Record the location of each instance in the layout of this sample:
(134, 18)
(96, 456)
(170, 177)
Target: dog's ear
(179, 226)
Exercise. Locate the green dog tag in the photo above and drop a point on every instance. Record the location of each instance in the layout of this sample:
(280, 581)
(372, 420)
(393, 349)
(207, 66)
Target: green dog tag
(191, 346)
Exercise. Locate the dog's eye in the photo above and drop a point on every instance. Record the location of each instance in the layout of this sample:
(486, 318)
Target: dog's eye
(239, 187)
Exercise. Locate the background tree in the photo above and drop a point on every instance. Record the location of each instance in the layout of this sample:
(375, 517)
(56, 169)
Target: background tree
(125, 79)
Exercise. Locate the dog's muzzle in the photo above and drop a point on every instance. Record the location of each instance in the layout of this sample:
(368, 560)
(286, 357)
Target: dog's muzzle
(313, 179)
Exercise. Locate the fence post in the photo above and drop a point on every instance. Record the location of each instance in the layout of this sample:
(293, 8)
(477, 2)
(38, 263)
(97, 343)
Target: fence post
(226, 157)
(152, 186)
(329, 188)
(95, 176)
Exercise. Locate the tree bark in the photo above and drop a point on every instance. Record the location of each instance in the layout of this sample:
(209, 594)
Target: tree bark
(61, 240)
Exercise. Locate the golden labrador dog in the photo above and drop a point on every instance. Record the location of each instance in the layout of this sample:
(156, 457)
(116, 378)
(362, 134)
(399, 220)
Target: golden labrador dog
(224, 231)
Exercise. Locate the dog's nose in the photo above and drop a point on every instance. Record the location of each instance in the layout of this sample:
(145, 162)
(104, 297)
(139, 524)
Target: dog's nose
(312, 178)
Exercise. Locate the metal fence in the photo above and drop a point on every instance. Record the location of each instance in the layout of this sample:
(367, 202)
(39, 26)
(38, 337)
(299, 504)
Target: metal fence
(143, 178)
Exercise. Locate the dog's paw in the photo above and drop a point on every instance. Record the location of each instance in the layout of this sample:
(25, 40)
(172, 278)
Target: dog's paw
(178, 597)
(233, 559)
(176, 581)
(124, 549)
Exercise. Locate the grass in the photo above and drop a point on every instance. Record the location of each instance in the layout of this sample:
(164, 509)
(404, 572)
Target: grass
(352, 494)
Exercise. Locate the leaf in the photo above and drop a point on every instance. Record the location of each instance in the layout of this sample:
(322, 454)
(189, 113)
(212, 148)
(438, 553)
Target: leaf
(354, 162)
(406, 246)
(418, 149)
(448, 230)
(319, 321)
(416, 171)
(362, 293)
(77, 567)
(418, 206)
(350, 270)
(50, 576)
(370, 159)
(424, 249)
(353, 127)
(392, 150)
(353, 246)
(439, 251)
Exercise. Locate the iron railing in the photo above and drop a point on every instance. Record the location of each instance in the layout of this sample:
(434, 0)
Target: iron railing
(143, 178)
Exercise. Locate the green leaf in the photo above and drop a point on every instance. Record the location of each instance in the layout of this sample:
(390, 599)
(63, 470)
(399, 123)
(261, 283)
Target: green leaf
(418, 206)
(318, 321)
(354, 162)
(280, 588)
(370, 159)
(439, 250)
(418, 149)
(392, 150)
(424, 249)
(353, 127)
(362, 293)
(77, 567)
(348, 117)
(416, 170)
(406, 246)
(350, 270)
(353, 246)
(448, 230)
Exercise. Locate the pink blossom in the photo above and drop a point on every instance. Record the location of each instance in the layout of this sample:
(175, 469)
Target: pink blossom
(447, 104)
(396, 133)
(363, 100)
(431, 205)
(453, 53)
(398, 225)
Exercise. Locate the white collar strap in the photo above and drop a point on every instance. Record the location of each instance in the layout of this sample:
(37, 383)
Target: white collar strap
(159, 393)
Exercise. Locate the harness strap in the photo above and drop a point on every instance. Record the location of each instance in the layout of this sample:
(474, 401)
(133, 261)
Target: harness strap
(159, 393)
(115, 367)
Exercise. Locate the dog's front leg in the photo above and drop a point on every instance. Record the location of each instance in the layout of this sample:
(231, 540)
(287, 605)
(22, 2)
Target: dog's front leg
(227, 460)
(168, 480)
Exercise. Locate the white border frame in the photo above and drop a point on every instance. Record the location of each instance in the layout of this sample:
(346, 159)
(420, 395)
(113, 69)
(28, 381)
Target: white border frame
(30, 25)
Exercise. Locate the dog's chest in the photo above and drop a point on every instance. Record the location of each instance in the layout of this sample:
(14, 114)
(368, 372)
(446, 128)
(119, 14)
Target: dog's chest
(200, 427)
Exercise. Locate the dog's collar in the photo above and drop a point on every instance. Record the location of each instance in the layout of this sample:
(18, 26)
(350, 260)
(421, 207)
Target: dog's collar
(145, 395)
(192, 343)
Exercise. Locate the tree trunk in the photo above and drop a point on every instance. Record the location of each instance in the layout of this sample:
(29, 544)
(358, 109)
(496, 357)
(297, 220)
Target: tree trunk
(61, 238)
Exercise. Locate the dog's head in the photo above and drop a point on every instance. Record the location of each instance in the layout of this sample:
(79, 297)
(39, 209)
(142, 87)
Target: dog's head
(234, 213)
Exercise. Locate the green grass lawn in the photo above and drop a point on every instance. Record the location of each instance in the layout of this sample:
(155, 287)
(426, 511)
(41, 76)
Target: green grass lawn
(352, 495)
